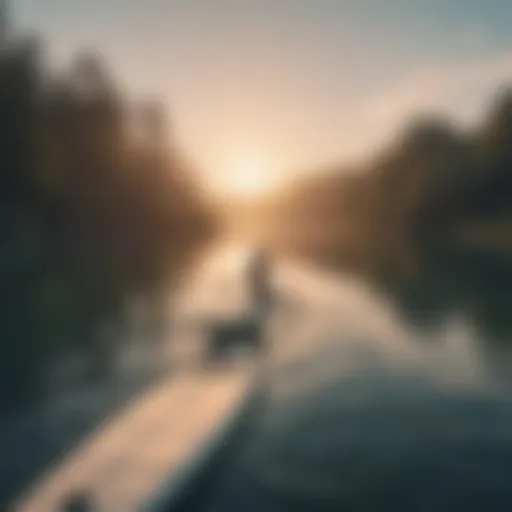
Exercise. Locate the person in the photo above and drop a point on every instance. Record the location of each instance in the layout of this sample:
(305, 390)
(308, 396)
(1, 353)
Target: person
(259, 282)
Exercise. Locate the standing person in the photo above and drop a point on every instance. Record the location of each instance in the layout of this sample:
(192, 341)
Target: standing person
(258, 274)
(259, 283)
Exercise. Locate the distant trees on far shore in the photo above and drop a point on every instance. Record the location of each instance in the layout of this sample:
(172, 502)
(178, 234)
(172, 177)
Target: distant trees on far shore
(430, 185)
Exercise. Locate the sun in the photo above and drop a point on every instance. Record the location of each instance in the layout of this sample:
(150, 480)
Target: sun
(248, 176)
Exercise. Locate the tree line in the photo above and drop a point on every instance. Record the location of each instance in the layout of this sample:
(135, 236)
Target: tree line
(96, 206)
(433, 184)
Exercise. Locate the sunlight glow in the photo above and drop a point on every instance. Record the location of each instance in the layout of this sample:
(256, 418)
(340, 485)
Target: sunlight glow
(248, 176)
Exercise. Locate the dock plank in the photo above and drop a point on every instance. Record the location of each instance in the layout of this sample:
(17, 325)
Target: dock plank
(126, 461)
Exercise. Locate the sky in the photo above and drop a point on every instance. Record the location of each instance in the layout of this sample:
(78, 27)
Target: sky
(288, 85)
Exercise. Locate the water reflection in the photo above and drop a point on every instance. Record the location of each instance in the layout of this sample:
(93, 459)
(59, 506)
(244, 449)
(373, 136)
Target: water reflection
(388, 395)
(474, 286)
(83, 385)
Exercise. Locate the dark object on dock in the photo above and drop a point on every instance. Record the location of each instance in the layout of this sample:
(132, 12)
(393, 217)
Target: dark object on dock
(78, 502)
(226, 337)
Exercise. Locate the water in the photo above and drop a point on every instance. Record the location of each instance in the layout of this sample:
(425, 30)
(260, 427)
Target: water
(388, 395)
(82, 389)
(394, 397)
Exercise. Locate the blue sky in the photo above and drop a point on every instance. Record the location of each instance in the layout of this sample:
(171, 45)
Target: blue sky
(297, 82)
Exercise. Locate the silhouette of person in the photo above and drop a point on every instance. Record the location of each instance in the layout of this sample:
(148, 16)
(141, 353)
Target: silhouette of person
(259, 281)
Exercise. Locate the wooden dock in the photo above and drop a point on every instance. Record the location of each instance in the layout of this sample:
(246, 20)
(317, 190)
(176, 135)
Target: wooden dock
(147, 452)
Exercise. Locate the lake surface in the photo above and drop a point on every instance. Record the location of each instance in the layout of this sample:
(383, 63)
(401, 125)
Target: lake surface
(395, 397)
(388, 396)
